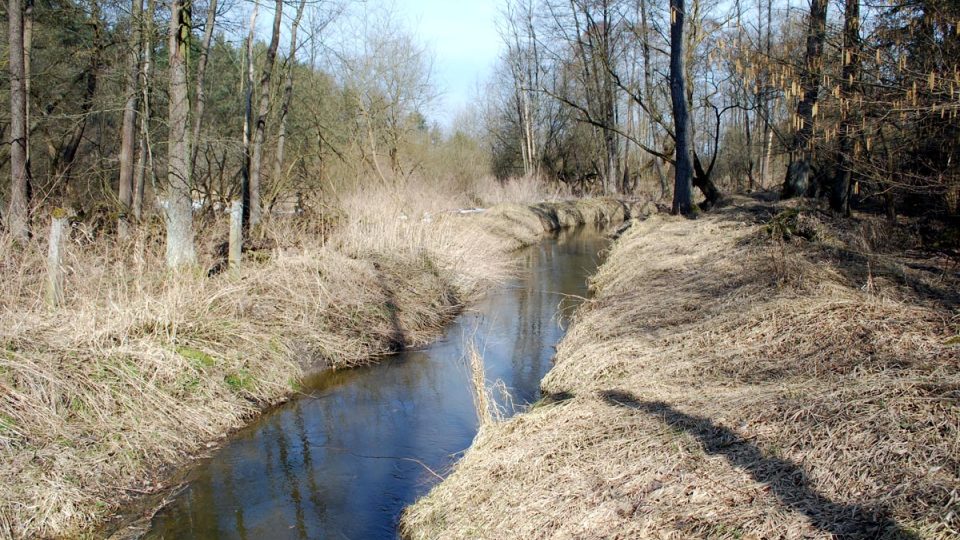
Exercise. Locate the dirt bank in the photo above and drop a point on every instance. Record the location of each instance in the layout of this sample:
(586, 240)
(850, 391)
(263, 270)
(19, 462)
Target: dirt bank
(140, 369)
(760, 372)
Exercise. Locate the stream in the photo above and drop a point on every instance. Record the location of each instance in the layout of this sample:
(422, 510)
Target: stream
(343, 460)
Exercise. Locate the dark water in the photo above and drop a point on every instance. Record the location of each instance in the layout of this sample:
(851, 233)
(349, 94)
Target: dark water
(346, 459)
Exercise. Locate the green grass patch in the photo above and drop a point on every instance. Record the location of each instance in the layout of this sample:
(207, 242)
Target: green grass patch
(198, 357)
(7, 423)
(240, 380)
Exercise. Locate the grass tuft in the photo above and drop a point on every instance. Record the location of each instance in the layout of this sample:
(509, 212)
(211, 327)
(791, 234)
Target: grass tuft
(200, 358)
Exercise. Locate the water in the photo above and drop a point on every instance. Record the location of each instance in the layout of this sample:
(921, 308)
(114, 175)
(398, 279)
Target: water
(346, 459)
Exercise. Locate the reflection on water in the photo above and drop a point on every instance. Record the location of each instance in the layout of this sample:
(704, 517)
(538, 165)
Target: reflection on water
(343, 461)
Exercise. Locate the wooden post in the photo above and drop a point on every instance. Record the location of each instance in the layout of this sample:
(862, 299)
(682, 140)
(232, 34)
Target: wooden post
(55, 258)
(236, 234)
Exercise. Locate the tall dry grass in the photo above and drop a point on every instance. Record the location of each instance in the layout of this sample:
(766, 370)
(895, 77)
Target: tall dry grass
(525, 189)
(141, 367)
(762, 372)
(483, 401)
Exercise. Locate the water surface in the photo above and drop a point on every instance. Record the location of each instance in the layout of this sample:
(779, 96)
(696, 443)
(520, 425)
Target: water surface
(344, 460)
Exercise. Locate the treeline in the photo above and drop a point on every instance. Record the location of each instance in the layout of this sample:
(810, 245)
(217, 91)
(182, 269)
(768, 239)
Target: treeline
(122, 111)
(847, 100)
(128, 110)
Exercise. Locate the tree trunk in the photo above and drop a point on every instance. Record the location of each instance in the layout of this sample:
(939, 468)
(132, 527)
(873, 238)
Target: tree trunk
(258, 135)
(201, 75)
(248, 122)
(611, 139)
(767, 128)
(144, 154)
(178, 206)
(849, 87)
(287, 94)
(797, 182)
(18, 214)
(648, 92)
(702, 181)
(740, 95)
(129, 123)
(27, 78)
(63, 162)
(682, 196)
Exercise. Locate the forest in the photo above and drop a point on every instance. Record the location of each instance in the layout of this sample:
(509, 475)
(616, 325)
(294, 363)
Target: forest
(209, 200)
(114, 119)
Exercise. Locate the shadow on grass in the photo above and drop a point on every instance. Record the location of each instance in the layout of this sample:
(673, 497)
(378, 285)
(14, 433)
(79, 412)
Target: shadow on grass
(787, 480)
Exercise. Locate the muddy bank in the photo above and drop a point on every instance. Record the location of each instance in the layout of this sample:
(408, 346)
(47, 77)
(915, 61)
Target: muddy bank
(98, 399)
(761, 372)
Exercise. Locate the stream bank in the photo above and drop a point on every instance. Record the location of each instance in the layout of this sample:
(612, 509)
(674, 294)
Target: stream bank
(763, 371)
(102, 402)
(344, 457)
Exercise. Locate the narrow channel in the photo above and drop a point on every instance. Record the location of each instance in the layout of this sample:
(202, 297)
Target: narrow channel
(344, 460)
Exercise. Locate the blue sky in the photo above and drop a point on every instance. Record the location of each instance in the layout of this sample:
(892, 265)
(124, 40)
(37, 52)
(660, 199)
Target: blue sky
(463, 37)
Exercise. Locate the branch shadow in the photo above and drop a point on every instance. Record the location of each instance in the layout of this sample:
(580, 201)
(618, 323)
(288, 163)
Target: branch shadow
(787, 480)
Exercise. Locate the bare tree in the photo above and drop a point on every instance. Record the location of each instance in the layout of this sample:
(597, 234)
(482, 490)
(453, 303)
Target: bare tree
(523, 58)
(763, 93)
(797, 181)
(683, 171)
(840, 190)
(651, 102)
(178, 205)
(128, 125)
(259, 129)
(144, 153)
(66, 156)
(201, 87)
(18, 214)
(287, 95)
(390, 81)
(596, 48)
(248, 120)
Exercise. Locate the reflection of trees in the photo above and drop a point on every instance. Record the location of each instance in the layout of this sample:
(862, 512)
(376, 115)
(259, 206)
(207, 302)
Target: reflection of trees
(337, 461)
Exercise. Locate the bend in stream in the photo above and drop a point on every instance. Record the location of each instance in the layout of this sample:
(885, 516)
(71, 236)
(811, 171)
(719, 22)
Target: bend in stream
(344, 460)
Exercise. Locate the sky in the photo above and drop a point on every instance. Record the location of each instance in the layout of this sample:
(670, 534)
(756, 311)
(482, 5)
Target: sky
(462, 34)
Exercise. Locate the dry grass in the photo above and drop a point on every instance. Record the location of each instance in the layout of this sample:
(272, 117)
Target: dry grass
(728, 382)
(483, 402)
(141, 368)
(526, 189)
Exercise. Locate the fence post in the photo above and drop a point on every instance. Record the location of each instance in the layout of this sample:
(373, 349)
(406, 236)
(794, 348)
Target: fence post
(236, 234)
(55, 258)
